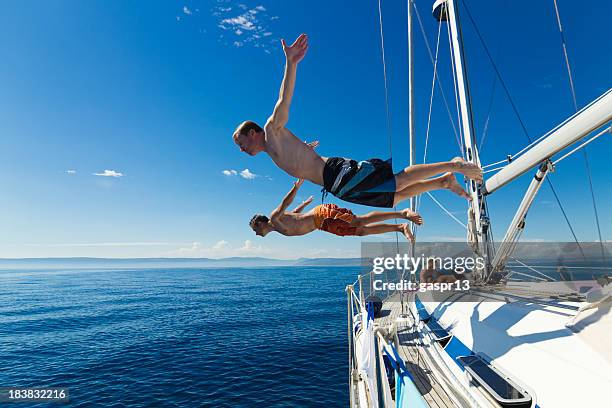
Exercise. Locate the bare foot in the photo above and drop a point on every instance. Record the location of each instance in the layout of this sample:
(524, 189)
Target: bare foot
(412, 216)
(469, 170)
(406, 232)
(449, 181)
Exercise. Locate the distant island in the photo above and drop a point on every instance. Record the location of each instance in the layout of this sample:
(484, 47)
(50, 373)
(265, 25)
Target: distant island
(555, 252)
(234, 262)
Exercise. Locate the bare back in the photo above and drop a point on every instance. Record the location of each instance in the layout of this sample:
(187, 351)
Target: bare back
(293, 155)
(291, 223)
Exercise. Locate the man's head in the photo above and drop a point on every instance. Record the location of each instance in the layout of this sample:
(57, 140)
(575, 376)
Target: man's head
(260, 224)
(249, 136)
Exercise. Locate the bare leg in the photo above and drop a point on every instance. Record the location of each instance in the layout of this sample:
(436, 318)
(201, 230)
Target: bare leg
(377, 216)
(419, 172)
(447, 181)
(373, 229)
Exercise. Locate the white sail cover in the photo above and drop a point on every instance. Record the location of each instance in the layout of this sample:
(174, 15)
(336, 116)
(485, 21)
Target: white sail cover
(367, 357)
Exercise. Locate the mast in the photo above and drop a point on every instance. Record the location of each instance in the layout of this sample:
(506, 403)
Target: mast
(411, 135)
(447, 10)
(411, 101)
(411, 97)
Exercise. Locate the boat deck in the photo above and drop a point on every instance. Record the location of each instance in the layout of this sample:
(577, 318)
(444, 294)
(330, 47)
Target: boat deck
(410, 350)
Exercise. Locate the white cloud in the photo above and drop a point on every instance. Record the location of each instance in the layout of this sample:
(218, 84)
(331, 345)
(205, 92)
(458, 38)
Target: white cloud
(109, 173)
(248, 248)
(71, 172)
(246, 174)
(243, 21)
(225, 249)
(194, 250)
(187, 11)
(221, 249)
(251, 25)
(220, 245)
(108, 244)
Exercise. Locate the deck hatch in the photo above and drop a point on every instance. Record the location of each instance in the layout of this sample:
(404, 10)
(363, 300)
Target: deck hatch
(439, 334)
(500, 386)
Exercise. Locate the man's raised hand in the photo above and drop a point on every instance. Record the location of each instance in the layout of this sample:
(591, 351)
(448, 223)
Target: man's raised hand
(295, 53)
(298, 183)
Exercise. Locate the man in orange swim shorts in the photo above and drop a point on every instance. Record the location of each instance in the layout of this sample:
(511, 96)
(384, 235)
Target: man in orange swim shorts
(329, 218)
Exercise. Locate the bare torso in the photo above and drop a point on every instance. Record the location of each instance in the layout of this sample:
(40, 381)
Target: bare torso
(291, 224)
(293, 155)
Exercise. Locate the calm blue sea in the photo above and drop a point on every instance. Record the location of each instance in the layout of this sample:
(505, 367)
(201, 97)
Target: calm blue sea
(178, 337)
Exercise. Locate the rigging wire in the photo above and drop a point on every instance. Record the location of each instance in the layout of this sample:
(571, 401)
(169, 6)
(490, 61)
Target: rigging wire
(567, 63)
(431, 57)
(431, 96)
(603, 132)
(493, 169)
(458, 135)
(486, 123)
(450, 214)
(515, 109)
(588, 169)
(496, 163)
(387, 110)
(565, 216)
(509, 159)
(497, 73)
(534, 270)
(584, 150)
(455, 90)
(436, 79)
(433, 83)
(384, 65)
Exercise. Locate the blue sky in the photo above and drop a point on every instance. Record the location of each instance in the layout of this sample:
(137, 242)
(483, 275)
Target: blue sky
(116, 117)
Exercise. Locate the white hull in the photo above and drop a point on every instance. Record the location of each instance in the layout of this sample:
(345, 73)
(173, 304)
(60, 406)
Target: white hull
(560, 356)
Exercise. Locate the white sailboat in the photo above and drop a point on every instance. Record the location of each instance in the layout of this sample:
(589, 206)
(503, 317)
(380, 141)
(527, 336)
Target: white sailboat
(518, 337)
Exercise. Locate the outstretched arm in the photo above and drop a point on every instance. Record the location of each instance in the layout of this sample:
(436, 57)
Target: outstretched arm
(304, 204)
(293, 55)
(287, 200)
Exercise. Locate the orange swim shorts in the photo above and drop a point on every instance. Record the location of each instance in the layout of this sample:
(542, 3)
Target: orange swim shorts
(333, 219)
